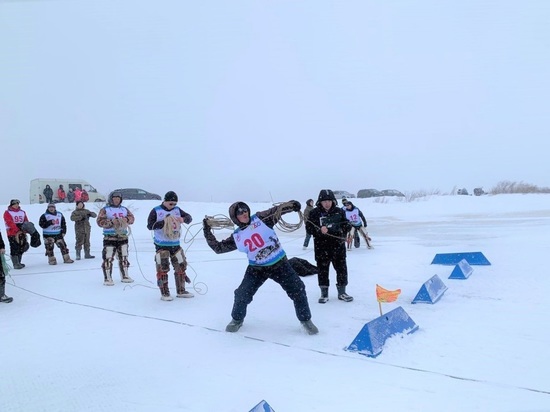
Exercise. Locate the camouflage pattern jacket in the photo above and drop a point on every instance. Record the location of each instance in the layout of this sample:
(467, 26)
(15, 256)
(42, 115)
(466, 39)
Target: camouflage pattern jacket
(81, 218)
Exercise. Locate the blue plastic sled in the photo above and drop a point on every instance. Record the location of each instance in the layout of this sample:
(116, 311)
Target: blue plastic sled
(431, 291)
(370, 340)
(473, 258)
(263, 406)
(462, 270)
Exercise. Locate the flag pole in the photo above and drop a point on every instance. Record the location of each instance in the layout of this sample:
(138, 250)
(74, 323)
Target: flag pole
(380, 306)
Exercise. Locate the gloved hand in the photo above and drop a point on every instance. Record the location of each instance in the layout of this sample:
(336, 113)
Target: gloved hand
(296, 206)
(187, 280)
(187, 220)
(205, 224)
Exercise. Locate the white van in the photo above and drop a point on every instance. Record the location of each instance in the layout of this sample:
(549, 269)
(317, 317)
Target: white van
(38, 185)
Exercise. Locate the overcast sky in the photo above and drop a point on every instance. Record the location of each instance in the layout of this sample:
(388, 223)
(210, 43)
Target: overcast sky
(259, 100)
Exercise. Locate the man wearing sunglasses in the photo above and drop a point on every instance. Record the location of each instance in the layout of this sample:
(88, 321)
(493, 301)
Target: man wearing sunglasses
(256, 237)
(165, 221)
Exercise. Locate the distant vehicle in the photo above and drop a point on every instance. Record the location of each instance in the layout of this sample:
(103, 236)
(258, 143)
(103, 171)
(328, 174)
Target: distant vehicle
(340, 194)
(38, 185)
(137, 194)
(391, 192)
(462, 192)
(369, 193)
(478, 191)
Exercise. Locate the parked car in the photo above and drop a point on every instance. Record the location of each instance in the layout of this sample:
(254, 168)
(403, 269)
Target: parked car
(137, 194)
(340, 194)
(369, 193)
(391, 192)
(462, 192)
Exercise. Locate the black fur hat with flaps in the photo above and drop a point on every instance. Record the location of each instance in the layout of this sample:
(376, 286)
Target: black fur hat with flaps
(233, 211)
(326, 194)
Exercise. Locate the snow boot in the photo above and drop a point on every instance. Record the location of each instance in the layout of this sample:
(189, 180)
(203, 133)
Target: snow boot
(78, 255)
(324, 294)
(162, 282)
(67, 259)
(181, 278)
(52, 260)
(5, 299)
(126, 279)
(87, 254)
(16, 262)
(309, 327)
(234, 325)
(342, 295)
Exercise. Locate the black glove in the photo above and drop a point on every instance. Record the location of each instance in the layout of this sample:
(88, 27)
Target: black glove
(205, 224)
(296, 206)
(187, 219)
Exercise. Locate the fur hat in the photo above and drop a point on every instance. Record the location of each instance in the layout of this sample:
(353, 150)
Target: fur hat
(170, 196)
(14, 202)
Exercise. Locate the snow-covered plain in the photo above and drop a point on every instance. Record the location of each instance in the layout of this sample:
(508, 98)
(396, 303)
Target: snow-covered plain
(68, 343)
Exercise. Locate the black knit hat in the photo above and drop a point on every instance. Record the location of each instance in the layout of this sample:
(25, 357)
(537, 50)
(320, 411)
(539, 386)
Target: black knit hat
(170, 196)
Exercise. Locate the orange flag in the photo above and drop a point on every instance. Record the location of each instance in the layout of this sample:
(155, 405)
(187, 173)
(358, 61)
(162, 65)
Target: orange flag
(384, 295)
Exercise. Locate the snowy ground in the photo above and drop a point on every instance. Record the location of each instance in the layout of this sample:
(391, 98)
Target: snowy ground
(68, 343)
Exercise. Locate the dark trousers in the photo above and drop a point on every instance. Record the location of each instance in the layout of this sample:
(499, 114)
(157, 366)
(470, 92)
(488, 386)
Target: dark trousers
(284, 275)
(336, 254)
(18, 244)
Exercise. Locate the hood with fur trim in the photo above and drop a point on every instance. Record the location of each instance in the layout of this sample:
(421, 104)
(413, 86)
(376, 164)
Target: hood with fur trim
(233, 213)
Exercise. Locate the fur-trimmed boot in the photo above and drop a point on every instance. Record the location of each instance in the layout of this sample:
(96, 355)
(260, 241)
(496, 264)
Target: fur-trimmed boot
(67, 259)
(52, 260)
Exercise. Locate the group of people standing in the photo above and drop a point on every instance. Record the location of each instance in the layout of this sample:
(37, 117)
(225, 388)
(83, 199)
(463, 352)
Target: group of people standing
(73, 195)
(255, 236)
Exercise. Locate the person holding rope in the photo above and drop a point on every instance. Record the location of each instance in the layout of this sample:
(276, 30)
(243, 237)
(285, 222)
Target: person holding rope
(114, 219)
(165, 221)
(267, 259)
(358, 222)
(329, 226)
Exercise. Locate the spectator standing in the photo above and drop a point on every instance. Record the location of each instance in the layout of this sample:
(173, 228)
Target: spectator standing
(54, 228)
(267, 259)
(70, 196)
(61, 194)
(358, 221)
(3, 297)
(309, 208)
(165, 221)
(85, 196)
(114, 219)
(82, 229)
(329, 226)
(48, 194)
(77, 194)
(14, 217)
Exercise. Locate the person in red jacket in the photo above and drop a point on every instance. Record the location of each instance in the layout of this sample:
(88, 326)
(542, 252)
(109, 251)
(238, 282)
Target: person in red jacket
(14, 217)
(61, 194)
